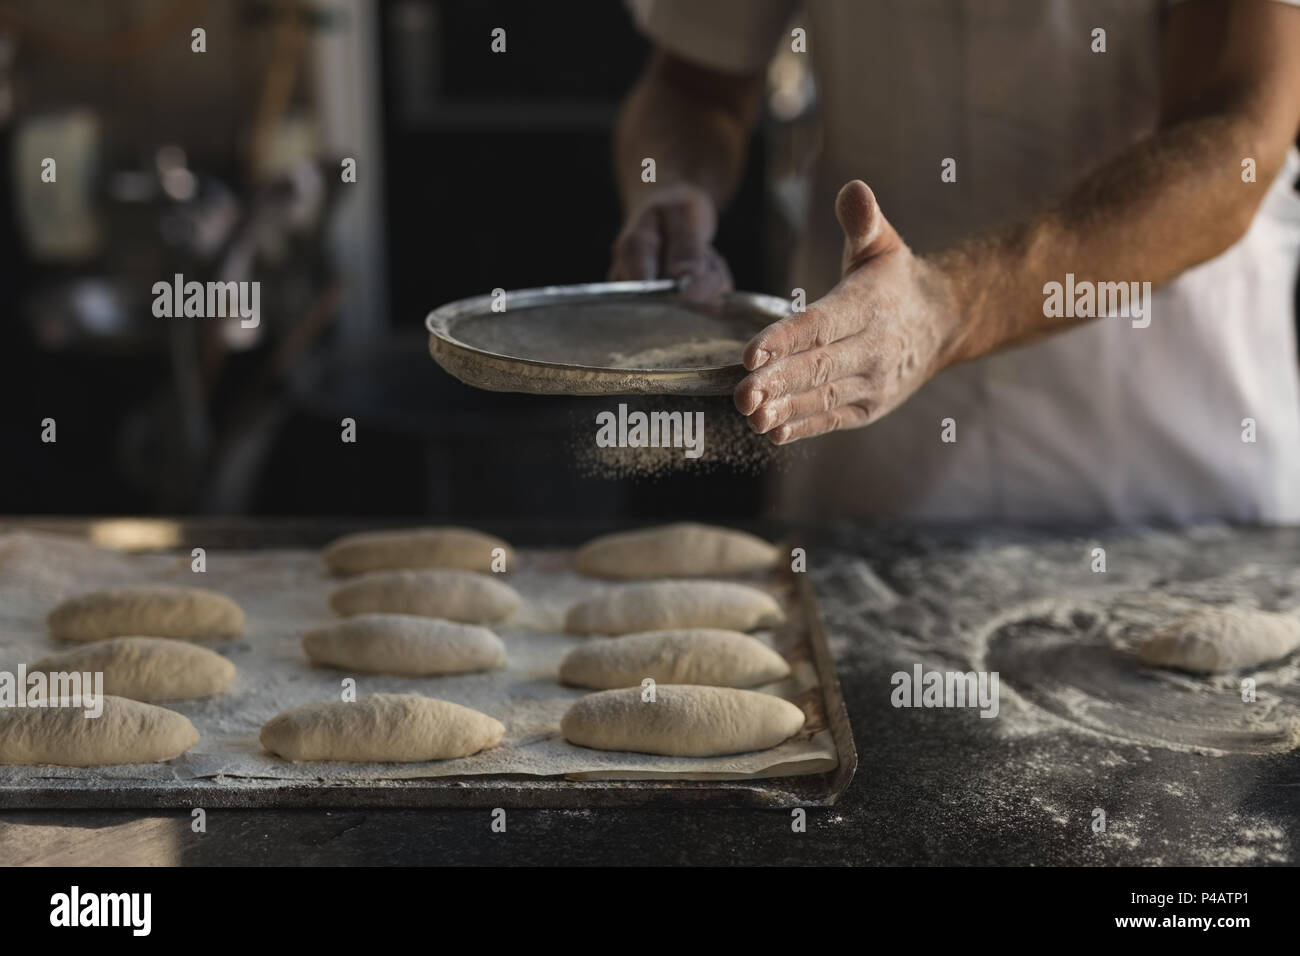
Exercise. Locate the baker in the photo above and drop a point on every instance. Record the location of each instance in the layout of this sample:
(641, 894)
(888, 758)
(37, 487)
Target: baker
(978, 156)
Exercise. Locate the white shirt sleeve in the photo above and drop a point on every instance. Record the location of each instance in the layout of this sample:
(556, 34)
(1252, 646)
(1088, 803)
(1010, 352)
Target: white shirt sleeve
(731, 36)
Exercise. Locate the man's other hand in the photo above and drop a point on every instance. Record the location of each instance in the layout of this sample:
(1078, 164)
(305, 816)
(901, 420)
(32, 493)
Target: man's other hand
(670, 235)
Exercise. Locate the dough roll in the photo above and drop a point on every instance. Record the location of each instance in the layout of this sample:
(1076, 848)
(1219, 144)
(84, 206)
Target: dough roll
(381, 728)
(460, 548)
(675, 550)
(147, 668)
(126, 732)
(699, 656)
(671, 605)
(453, 595)
(1222, 639)
(684, 721)
(159, 611)
(404, 644)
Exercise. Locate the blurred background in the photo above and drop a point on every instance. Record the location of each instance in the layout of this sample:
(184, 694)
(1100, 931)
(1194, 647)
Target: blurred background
(473, 171)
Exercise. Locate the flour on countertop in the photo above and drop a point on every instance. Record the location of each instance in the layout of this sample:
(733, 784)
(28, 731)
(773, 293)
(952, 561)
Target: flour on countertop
(1066, 661)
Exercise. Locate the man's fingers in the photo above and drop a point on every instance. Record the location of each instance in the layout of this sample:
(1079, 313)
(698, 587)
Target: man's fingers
(854, 390)
(847, 416)
(687, 233)
(798, 373)
(705, 280)
(636, 254)
(689, 254)
(825, 322)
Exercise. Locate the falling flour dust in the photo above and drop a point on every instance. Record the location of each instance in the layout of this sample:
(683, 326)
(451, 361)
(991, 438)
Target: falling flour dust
(728, 442)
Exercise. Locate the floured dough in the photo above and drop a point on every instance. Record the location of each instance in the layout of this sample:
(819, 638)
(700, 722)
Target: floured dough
(158, 611)
(453, 595)
(147, 668)
(670, 605)
(404, 644)
(700, 656)
(126, 732)
(684, 721)
(381, 728)
(1222, 639)
(675, 550)
(460, 548)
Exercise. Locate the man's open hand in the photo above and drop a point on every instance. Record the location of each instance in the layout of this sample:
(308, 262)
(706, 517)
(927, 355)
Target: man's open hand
(859, 351)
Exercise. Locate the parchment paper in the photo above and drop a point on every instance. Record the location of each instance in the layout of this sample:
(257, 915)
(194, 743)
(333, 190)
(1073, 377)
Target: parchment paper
(284, 592)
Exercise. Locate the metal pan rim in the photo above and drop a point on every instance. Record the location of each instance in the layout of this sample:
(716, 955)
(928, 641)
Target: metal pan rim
(439, 322)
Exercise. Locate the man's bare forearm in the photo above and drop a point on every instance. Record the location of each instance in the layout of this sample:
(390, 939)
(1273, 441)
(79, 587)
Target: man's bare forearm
(693, 123)
(1167, 204)
(1230, 90)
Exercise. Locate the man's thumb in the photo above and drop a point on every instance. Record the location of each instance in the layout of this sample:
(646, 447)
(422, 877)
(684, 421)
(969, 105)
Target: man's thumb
(862, 221)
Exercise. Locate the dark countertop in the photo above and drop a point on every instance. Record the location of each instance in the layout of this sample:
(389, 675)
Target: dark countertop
(934, 786)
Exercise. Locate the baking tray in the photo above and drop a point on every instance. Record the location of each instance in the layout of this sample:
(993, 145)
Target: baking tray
(468, 791)
(602, 338)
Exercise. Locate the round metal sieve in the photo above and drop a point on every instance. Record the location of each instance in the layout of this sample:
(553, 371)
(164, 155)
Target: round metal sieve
(603, 338)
